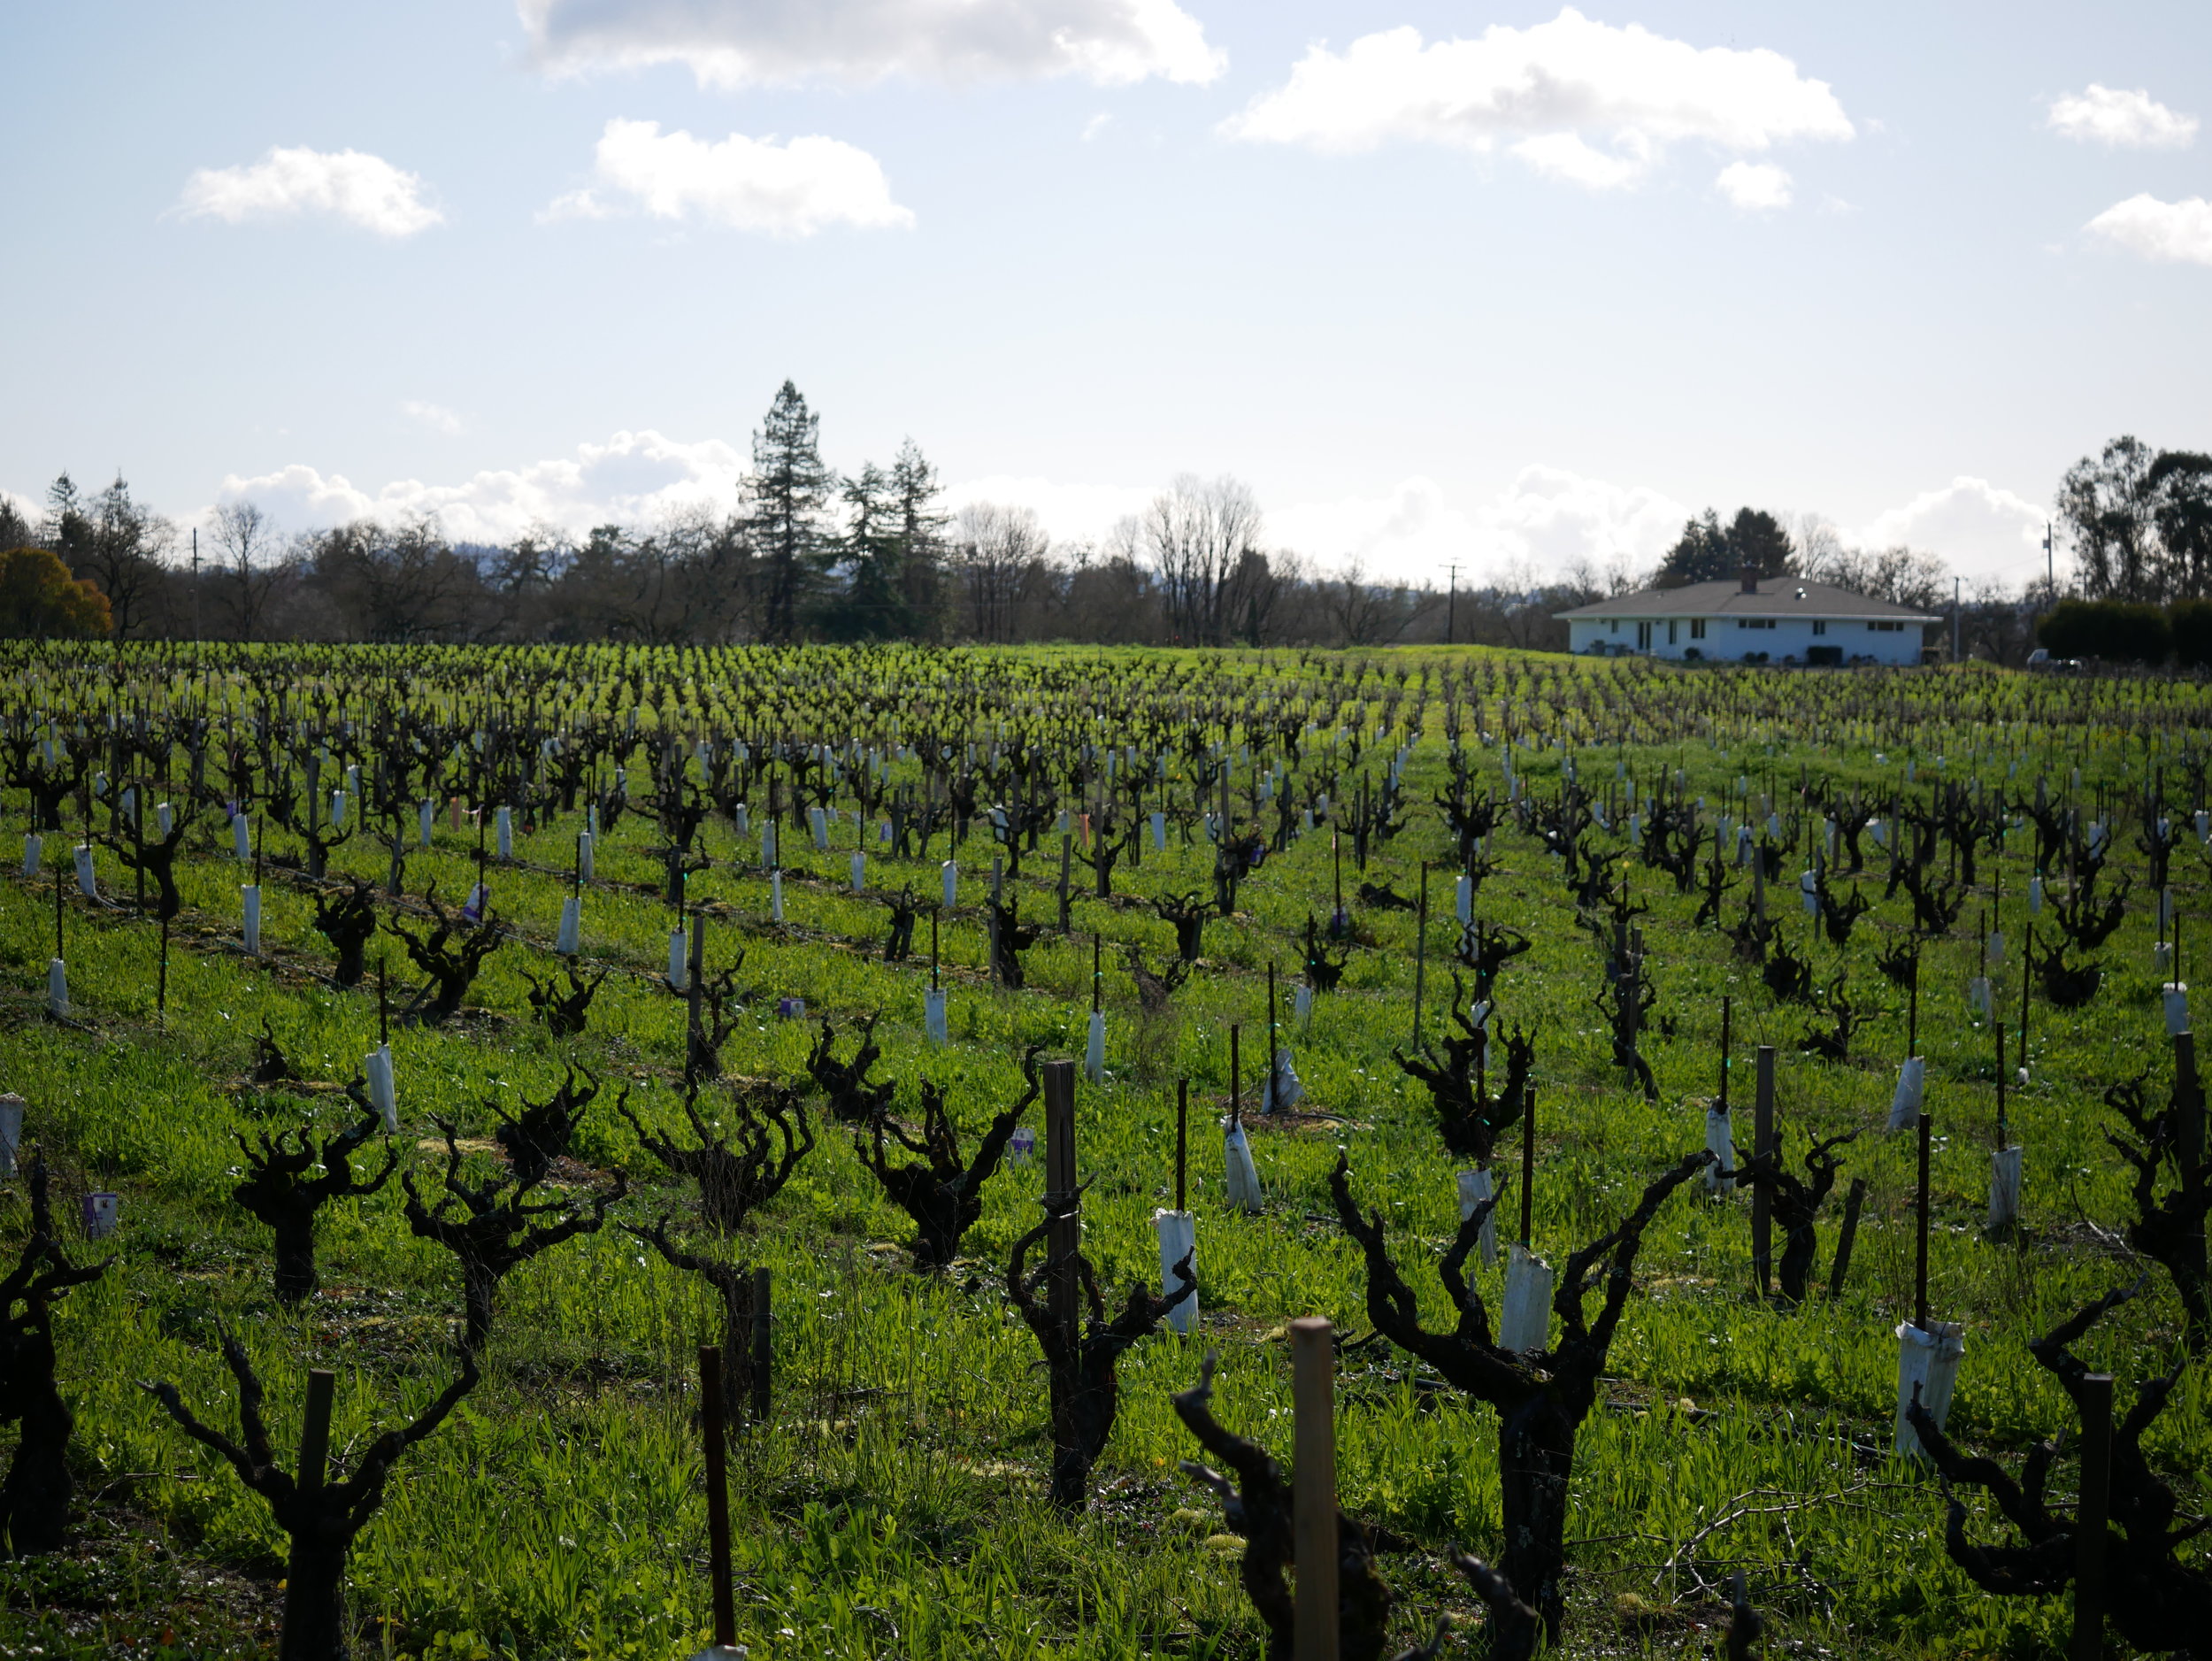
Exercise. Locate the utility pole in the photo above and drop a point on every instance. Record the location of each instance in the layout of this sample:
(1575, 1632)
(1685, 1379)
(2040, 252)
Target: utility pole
(2050, 561)
(1954, 619)
(196, 582)
(1451, 607)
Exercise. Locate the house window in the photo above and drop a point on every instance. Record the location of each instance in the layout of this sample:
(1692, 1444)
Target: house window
(1755, 622)
(1613, 625)
(1643, 637)
(1886, 628)
(1820, 625)
(1670, 631)
(1697, 628)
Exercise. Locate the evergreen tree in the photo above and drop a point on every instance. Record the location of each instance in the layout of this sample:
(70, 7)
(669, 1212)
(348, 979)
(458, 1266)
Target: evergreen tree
(1757, 539)
(1707, 551)
(787, 491)
(921, 532)
(873, 605)
(66, 530)
(1699, 555)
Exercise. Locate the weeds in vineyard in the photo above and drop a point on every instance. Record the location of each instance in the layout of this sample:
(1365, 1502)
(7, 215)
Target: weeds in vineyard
(1225, 814)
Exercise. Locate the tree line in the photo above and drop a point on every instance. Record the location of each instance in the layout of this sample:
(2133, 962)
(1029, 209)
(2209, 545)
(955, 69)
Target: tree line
(804, 554)
(807, 553)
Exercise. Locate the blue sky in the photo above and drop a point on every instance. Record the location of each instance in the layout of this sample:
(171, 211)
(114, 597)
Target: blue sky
(1507, 285)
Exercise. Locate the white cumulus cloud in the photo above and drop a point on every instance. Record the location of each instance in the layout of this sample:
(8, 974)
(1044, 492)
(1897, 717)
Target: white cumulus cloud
(1548, 521)
(746, 42)
(1977, 529)
(2131, 121)
(1584, 101)
(633, 478)
(1755, 186)
(2159, 230)
(1070, 512)
(748, 184)
(362, 190)
(436, 417)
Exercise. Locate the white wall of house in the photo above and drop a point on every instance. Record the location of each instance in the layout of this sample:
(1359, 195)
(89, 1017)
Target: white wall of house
(1726, 640)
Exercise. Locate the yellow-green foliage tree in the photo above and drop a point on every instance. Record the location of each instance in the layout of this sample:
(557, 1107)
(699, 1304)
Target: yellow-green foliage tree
(38, 597)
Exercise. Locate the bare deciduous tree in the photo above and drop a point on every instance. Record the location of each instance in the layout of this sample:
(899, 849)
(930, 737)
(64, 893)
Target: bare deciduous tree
(247, 540)
(996, 553)
(1197, 534)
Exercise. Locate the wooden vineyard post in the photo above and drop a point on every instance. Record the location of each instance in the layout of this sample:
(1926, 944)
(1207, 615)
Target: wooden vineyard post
(764, 1344)
(1060, 1189)
(717, 1496)
(1313, 1489)
(2087, 1641)
(1920, 1231)
(1847, 1235)
(1761, 1193)
(1336, 862)
(1528, 1170)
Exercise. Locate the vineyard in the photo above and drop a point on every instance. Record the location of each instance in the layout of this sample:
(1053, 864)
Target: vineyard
(1742, 1129)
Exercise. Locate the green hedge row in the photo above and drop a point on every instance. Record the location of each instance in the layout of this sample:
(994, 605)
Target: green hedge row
(2119, 632)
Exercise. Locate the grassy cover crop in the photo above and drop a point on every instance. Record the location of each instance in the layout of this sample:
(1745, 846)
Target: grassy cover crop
(896, 1500)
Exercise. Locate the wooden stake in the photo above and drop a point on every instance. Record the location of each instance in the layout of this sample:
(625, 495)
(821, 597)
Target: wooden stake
(1762, 1193)
(1528, 1163)
(1182, 1139)
(718, 1495)
(1060, 1189)
(1845, 1236)
(764, 1343)
(2003, 1135)
(1313, 1489)
(2087, 1641)
(1920, 1241)
(1912, 1010)
(161, 986)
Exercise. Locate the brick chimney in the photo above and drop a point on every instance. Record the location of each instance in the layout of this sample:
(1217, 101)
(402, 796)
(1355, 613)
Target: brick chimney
(1750, 579)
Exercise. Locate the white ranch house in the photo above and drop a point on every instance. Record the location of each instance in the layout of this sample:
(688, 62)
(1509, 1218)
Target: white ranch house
(1770, 621)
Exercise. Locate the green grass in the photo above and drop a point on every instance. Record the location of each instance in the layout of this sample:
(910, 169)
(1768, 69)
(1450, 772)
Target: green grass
(896, 1503)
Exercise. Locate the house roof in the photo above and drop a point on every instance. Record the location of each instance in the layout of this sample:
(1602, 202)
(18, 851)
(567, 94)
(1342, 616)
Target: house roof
(1777, 597)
